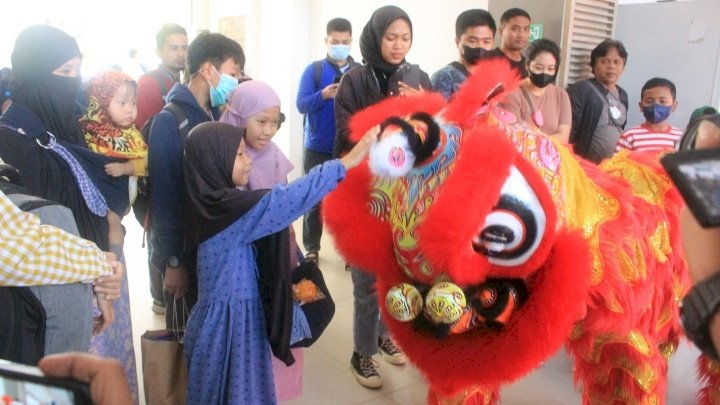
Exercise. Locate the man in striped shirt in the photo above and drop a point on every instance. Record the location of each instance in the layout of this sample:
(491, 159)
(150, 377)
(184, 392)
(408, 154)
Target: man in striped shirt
(657, 102)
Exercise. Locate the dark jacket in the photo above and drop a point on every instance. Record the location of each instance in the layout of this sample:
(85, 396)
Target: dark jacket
(586, 110)
(165, 167)
(319, 125)
(359, 89)
(46, 175)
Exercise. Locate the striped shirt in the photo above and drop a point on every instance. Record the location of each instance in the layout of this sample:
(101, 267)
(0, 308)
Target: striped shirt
(642, 137)
(34, 254)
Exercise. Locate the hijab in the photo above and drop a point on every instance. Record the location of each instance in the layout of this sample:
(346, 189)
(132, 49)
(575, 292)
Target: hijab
(101, 134)
(39, 50)
(210, 153)
(372, 36)
(249, 98)
(270, 165)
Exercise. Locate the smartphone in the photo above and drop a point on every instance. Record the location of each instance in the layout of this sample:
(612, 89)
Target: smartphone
(337, 78)
(410, 75)
(696, 174)
(22, 384)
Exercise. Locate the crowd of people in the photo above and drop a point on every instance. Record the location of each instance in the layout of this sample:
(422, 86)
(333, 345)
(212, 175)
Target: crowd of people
(189, 146)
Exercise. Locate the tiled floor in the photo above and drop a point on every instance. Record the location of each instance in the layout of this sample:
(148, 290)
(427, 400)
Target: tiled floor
(328, 380)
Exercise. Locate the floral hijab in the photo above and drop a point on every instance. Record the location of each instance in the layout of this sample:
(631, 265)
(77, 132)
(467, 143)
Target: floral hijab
(101, 134)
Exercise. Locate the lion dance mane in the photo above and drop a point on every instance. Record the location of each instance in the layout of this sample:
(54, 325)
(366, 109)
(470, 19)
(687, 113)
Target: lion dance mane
(496, 246)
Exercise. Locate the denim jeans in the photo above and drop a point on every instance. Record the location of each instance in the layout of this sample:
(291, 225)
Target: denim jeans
(367, 325)
(312, 222)
(156, 275)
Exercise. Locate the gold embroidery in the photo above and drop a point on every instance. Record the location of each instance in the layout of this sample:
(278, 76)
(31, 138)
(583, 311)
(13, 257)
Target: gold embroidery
(643, 180)
(632, 269)
(667, 350)
(660, 242)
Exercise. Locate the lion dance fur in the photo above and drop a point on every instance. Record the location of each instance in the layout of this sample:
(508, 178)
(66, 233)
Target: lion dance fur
(541, 248)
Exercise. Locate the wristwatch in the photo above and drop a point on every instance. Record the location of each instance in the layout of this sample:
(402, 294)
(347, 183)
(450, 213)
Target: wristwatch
(173, 262)
(698, 308)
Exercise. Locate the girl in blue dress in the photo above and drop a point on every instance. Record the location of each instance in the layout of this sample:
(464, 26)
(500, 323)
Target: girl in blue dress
(244, 310)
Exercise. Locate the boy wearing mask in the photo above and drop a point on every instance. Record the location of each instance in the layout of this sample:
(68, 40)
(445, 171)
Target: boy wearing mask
(315, 99)
(657, 102)
(215, 63)
(474, 36)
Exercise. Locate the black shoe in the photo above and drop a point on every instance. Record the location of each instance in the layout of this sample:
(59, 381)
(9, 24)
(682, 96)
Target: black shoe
(391, 353)
(364, 371)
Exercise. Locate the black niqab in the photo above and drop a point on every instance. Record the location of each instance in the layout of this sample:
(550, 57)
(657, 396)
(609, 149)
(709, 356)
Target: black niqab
(39, 50)
(216, 204)
(372, 35)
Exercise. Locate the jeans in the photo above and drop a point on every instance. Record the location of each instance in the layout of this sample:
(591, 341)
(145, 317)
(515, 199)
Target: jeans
(312, 222)
(156, 275)
(172, 320)
(367, 325)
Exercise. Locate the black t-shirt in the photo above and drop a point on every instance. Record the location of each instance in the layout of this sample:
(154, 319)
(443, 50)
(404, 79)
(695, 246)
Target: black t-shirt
(517, 65)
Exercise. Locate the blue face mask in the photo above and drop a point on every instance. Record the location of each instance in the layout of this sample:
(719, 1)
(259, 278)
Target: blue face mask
(218, 95)
(656, 113)
(338, 52)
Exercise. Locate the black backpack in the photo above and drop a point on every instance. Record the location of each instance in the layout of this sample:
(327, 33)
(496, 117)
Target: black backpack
(141, 206)
(22, 318)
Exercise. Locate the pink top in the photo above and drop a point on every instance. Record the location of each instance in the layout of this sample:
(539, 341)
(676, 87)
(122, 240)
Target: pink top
(554, 104)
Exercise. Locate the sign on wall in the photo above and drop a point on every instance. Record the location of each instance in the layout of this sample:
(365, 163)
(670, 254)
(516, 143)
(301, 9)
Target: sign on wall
(536, 31)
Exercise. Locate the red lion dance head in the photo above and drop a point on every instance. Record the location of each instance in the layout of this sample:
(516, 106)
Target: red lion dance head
(493, 246)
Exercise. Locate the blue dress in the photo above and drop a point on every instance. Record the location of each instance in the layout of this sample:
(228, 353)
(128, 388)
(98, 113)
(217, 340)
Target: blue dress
(226, 345)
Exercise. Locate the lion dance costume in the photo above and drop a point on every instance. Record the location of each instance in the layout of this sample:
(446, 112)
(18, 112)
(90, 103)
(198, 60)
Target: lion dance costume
(494, 245)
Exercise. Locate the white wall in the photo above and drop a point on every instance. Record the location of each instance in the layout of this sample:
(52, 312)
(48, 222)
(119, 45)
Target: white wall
(679, 41)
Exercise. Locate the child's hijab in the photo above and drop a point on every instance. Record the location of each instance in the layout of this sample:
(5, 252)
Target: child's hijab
(101, 134)
(210, 152)
(249, 98)
(270, 165)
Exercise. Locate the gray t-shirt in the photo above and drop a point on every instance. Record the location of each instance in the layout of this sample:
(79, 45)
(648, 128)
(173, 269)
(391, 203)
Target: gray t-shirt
(609, 128)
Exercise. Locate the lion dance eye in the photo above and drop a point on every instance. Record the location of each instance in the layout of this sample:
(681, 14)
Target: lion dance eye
(514, 228)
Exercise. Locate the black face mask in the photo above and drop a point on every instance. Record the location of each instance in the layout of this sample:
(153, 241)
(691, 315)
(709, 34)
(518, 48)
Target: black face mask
(541, 79)
(473, 55)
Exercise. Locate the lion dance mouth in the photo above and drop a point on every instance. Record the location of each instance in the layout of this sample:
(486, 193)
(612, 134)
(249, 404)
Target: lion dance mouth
(493, 246)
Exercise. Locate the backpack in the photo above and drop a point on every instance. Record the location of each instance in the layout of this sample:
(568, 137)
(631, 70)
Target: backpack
(141, 206)
(23, 318)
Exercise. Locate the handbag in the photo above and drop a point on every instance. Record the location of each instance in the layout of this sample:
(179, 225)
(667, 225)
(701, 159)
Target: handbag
(318, 313)
(164, 367)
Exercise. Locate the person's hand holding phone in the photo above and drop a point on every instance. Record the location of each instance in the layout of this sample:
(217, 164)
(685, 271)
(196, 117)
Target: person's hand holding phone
(329, 91)
(407, 90)
(106, 377)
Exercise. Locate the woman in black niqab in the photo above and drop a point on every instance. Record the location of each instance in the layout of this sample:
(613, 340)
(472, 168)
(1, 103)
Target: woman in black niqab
(45, 63)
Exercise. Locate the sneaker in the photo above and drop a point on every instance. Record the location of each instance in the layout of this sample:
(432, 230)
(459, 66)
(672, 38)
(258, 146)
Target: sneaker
(364, 371)
(312, 256)
(158, 307)
(391, 353)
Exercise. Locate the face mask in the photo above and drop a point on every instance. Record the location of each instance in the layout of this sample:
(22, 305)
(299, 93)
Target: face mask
(541, 79)
(338, 52)
(656, 113)
(473, 55)
(218, 95)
